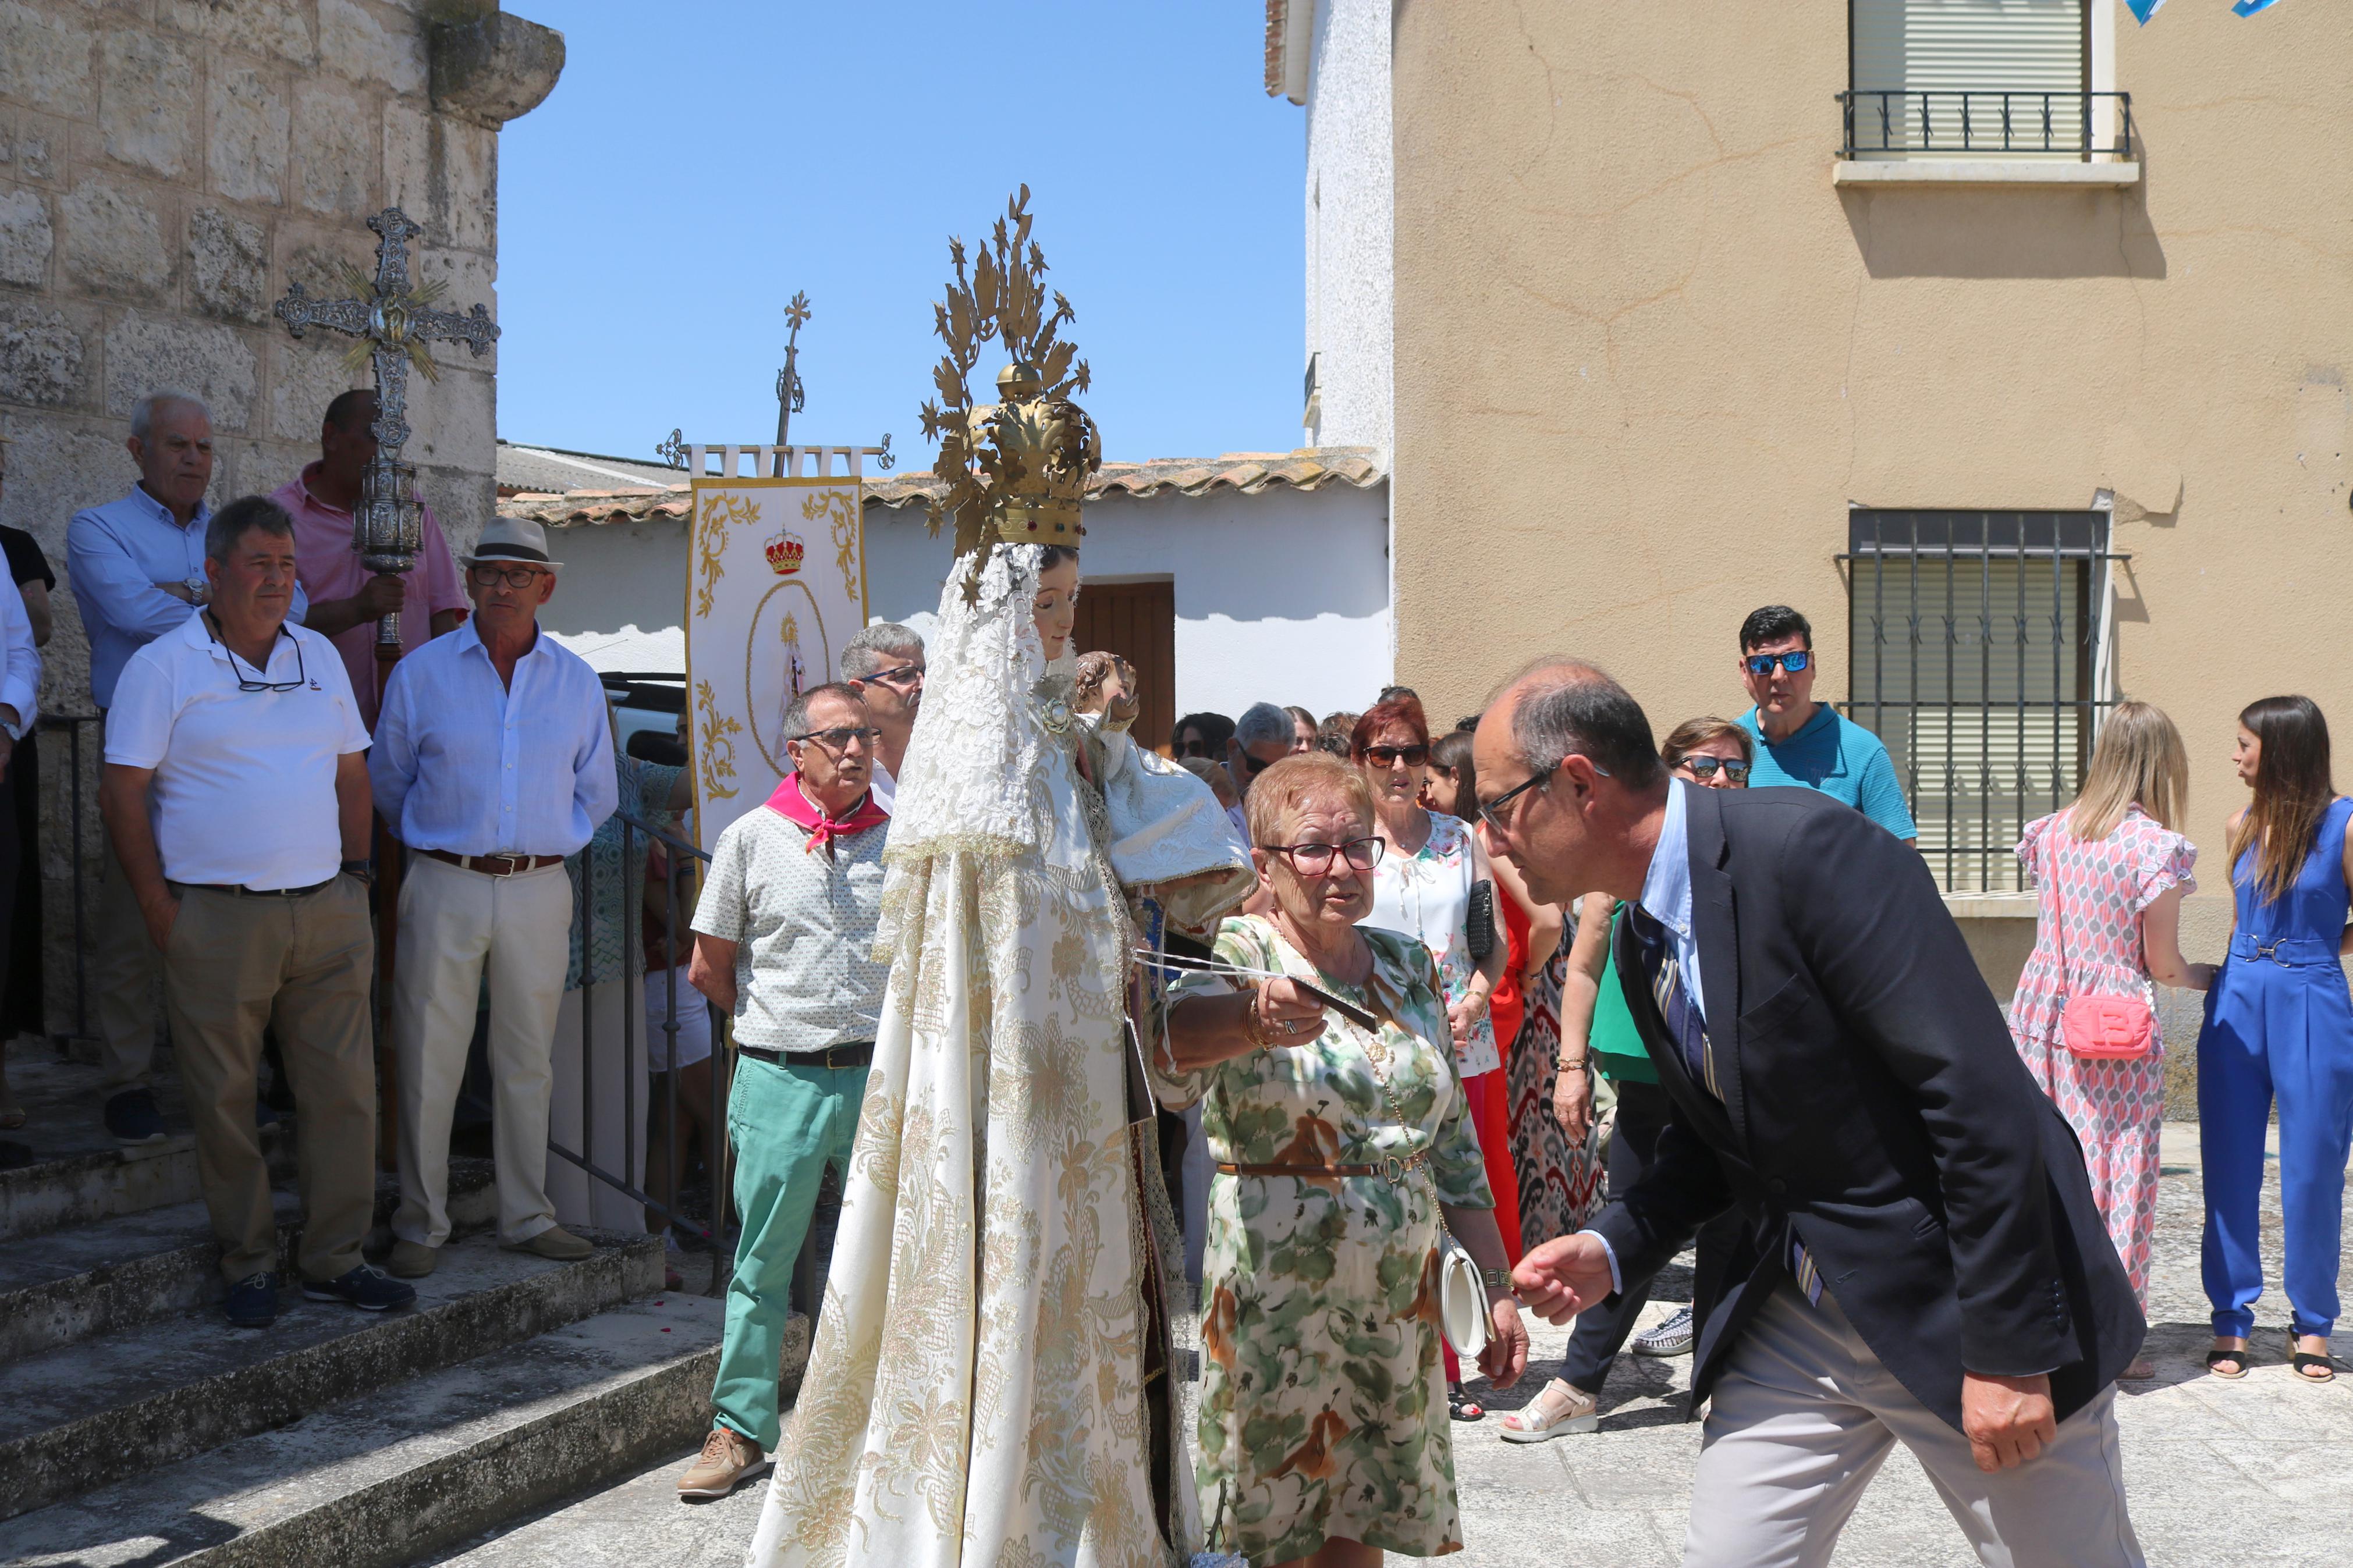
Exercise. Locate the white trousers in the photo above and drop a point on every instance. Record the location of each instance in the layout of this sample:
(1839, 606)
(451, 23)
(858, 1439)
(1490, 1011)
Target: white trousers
(598, 1110)
(454, 926)
(1805, 1415)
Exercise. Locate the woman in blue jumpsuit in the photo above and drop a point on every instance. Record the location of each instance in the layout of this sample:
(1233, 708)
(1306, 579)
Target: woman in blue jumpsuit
(2278, 1026)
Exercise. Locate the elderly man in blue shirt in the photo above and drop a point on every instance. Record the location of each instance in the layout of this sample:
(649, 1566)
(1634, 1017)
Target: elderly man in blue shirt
(493, 760)
(136, 565)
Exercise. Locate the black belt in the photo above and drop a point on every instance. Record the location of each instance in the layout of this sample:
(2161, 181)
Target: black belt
(856, 1054)
(235, 892)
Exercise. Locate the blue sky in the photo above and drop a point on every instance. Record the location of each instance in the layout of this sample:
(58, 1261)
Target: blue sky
(702, 159)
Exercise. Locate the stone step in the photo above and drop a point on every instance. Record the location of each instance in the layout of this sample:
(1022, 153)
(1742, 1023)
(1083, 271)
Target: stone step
(96, 1184)
(411, 1469)
(63, 1286)
(88, 1414)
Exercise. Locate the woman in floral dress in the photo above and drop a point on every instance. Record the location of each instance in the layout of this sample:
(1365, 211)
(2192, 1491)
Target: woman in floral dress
(2111, 874)
(1338, 1149)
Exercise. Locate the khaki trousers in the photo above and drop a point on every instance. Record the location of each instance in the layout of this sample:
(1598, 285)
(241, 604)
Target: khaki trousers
(456, 925)
(1805, 1415)
(122, 974)
(300, 965)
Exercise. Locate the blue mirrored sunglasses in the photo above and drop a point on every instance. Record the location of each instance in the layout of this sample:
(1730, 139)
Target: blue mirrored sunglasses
(1794, 662)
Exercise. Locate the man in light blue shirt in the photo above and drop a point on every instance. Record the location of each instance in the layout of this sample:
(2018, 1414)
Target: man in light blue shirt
(136, 564)
(1804, 743)
(493, 760)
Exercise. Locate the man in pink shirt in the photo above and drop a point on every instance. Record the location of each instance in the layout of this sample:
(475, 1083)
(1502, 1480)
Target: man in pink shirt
(345, 597)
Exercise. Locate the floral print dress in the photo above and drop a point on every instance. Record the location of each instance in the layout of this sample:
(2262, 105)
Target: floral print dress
(2087, 942)
(1322, 1409)
(1427, 896)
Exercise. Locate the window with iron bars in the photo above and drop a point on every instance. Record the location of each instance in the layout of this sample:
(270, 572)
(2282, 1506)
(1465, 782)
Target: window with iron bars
(1980, 658)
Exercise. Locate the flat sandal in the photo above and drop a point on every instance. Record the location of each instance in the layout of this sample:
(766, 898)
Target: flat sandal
(2241, 1357)
(2298, 1360)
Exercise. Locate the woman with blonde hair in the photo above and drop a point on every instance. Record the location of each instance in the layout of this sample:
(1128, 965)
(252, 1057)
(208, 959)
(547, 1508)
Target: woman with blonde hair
(2279, 1026)
(2111, 872)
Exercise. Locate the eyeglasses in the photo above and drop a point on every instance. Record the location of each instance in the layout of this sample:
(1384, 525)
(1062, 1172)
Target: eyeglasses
(1704, 769)
(1194, 747)
(1795, 662)
(1258, 766)
(1493, 812)
(839, 739)
(1315, 859)
(253, 682)
(906, 678)
(512, 576)
(1388, 757)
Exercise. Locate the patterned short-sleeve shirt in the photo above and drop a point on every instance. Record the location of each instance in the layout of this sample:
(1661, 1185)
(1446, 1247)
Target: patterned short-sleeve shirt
(806, 975)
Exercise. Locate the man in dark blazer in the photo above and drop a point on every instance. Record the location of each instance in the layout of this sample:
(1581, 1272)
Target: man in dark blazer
(1924, 1262)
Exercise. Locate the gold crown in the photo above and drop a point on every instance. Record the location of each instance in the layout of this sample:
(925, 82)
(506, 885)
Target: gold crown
(785, 552)
(1016, 470)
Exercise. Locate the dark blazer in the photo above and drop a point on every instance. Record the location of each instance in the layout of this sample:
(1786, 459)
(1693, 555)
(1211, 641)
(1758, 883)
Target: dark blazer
(1875, 1106)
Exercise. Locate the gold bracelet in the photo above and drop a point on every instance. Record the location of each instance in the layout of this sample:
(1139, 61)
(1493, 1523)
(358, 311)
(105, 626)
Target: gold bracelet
(1253, 1026)
(1565, 1066)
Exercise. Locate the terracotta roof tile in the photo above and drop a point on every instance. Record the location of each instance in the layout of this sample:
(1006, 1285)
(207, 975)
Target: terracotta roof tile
(1244, 473)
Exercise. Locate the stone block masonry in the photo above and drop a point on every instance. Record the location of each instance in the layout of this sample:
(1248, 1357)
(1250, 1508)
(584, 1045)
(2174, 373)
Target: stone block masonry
(166, 169)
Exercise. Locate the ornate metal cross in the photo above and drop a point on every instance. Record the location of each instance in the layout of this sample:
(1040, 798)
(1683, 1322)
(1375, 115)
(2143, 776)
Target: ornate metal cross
(394, 325)
(791, 396)
(394, 321)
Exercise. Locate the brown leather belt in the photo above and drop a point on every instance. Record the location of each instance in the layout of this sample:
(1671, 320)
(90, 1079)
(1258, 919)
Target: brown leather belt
(854, 1054)
(1393, 1169)
(497, 865)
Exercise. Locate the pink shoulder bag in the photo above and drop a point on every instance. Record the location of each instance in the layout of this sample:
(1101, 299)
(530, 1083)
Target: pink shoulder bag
(2103, 1028)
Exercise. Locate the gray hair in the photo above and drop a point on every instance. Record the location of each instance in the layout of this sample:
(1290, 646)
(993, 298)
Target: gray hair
(143, 412)
(860, 655)
(241, 517)
(797, 712)
(1263, 722)
(1569, 706)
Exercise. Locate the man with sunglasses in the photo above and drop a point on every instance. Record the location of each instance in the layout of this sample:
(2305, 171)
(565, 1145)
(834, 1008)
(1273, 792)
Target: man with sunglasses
(236, 798)
(493, 760)
(883, 664)
(1804, 743)
(783, 942)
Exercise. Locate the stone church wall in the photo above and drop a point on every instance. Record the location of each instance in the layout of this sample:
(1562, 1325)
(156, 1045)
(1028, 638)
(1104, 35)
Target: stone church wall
(167, 168)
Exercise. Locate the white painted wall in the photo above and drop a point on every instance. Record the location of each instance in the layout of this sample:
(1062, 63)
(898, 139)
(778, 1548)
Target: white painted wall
(1281, 597)
(1349, 225)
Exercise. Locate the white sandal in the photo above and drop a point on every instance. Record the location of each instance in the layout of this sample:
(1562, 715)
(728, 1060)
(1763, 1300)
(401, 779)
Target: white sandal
(1558, 1410)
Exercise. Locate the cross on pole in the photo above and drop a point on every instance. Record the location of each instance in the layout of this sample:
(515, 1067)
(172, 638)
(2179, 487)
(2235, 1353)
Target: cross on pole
(394, 321)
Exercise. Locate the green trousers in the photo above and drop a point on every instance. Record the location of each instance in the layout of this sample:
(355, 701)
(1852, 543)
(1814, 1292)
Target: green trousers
(786, 1123)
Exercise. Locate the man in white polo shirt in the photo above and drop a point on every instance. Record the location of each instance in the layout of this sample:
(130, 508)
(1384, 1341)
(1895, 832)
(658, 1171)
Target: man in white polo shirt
(236, 796)
(493, 760)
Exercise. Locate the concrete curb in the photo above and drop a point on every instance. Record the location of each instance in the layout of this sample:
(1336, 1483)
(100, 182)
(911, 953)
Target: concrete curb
(58, 1462)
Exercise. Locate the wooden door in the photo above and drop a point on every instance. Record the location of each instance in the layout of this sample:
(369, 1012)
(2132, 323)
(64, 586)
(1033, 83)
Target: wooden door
(1136, 621)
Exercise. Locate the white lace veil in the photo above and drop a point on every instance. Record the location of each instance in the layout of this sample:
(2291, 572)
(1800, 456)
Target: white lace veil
(970, 779)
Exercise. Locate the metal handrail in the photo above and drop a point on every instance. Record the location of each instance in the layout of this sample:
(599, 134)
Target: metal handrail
(717, 1148)
(2032, 121)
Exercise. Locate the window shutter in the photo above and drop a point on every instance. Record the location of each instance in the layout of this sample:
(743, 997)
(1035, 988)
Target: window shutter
(1980, 49)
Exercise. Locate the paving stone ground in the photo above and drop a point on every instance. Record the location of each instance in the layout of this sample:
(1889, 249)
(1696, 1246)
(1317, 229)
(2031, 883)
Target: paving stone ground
(2259, 1471)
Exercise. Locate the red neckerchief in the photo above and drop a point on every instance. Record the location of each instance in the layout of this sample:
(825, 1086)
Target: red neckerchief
(790, 803)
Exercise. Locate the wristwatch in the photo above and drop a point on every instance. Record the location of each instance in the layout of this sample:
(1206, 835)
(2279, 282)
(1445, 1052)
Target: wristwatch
(364, 869)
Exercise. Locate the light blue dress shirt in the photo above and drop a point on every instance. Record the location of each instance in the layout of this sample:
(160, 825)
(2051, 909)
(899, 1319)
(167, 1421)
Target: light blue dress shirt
(463, 764)
(20, 661)
(115, 554)
(1667, 892)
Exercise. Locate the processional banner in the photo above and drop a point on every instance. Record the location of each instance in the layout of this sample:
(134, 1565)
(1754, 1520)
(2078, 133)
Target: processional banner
(775, 585)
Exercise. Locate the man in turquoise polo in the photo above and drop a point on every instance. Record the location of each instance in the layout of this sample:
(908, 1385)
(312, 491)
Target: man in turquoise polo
(1801, 742)
(783, 942)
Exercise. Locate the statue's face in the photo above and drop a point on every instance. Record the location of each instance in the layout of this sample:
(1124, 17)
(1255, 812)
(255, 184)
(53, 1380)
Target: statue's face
(1057, 607)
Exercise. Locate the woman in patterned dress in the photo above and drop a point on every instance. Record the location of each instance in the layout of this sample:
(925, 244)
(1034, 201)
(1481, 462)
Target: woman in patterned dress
(2111, 873)
(1338, 1150)
(1422, 888)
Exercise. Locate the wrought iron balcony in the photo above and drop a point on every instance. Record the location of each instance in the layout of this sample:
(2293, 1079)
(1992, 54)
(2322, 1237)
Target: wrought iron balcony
(1985, 122)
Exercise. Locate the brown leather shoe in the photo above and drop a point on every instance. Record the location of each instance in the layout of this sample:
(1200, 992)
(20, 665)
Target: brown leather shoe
(728, 1459)
(411, 1261)
(557, 1243)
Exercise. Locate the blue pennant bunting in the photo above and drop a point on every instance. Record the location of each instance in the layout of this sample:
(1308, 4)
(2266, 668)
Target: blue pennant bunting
(2143, 10)
(2249, 7)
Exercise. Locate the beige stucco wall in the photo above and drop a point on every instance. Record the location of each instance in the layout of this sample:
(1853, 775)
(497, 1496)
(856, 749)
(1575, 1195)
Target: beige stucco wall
(1648, 352)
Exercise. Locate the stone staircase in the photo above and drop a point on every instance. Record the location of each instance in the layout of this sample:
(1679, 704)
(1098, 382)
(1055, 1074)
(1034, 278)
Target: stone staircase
(138, 1427)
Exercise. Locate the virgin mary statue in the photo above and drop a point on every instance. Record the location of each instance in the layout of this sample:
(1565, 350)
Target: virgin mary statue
(990, 1379)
